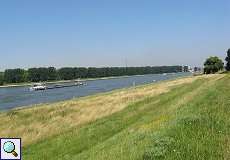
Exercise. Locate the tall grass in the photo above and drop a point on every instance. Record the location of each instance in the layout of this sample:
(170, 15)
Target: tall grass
(181, 119)
(189, 122)
(45, 120)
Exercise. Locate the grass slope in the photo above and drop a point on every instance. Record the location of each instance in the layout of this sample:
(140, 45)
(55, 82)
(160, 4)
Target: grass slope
(46, 120)
(181, 119)
(189, 122)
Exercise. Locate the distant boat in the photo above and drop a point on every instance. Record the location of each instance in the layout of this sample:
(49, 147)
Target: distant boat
(164, 74)
(58, 86)
(79, 83)
(38, 86)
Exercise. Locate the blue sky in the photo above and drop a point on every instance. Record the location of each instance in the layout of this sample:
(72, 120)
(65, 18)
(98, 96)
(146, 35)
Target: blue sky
(106, 32)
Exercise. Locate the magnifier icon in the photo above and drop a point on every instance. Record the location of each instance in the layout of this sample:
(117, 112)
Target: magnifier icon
(9, 147)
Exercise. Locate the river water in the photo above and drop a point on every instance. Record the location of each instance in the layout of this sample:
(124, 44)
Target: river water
(21, 96)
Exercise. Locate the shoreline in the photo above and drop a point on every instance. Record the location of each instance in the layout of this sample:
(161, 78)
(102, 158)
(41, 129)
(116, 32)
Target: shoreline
(68, 81)
(61, 81)
(99, 94)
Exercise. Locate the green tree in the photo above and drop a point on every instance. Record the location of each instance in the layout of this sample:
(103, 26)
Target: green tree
(1, 79)
(66, 73)
(69, 73)
(213, 65)
(14, 75)
(228, 60)
(52, 73)
(33, 75)
(41, 74)
(83, 72)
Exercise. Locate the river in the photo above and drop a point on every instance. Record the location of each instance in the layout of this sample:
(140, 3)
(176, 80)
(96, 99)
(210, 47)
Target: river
(13, 97)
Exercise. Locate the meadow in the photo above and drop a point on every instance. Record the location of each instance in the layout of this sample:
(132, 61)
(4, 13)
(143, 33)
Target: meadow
(186, 118)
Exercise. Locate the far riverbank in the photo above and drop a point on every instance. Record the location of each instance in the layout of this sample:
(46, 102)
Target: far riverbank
(67, 81)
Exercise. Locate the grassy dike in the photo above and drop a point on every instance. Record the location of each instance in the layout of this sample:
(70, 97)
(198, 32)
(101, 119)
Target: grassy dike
(187, 118)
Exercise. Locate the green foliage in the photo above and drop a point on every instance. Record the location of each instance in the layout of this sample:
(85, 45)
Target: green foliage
(66, 73)
(228, 60)
(69, 73)
(42, 74)
(1, 78)
(14, 75)
(213, 65)
(52, 73)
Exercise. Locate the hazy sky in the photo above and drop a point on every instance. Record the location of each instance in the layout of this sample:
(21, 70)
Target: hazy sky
(106, 32)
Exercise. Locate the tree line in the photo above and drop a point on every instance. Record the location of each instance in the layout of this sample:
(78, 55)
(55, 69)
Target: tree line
(42, 74)
(214, 64)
